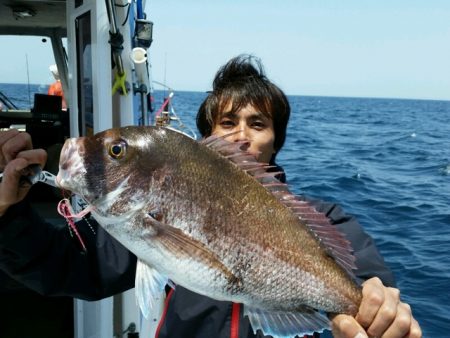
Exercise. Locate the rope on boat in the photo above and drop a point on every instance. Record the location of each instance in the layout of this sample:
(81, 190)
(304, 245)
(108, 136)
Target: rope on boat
(116, 42)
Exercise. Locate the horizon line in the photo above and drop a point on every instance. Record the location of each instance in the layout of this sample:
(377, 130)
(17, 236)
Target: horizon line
(304, 95)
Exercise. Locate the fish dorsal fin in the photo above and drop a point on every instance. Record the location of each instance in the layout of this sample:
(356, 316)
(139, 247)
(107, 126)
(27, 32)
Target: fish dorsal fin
(286, 324)
(331, 239)
(235, 153)
(150, 290)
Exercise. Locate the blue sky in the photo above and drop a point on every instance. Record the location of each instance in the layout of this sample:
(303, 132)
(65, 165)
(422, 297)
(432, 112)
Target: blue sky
(338, 48)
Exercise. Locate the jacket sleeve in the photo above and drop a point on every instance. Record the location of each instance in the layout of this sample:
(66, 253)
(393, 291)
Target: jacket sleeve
(45, 258)
(369, 261)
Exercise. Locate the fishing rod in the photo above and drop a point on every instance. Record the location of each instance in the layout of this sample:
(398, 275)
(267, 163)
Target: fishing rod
(28, 80)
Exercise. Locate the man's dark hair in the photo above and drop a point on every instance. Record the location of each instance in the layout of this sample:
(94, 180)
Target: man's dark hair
(242, 81)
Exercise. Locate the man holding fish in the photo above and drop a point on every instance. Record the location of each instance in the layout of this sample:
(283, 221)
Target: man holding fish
(176, 239)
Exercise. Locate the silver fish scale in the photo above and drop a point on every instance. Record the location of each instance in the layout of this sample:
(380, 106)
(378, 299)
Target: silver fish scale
(271, 283)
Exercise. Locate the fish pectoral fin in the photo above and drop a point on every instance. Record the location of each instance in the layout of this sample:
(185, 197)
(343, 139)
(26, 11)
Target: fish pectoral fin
(286, 324)
(177, 242)
(150, 290)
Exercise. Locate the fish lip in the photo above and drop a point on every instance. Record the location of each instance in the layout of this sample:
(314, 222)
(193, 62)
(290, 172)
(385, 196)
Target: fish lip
(60, 180)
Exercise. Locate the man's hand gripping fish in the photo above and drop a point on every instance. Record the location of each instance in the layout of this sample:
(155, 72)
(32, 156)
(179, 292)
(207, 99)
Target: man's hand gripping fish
(207, 216)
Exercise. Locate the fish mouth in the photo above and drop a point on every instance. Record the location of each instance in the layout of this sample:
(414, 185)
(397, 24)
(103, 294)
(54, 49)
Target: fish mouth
(71, 168)
(63, 180)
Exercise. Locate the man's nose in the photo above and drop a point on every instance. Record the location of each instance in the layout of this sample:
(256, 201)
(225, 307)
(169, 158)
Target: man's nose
(241, 135)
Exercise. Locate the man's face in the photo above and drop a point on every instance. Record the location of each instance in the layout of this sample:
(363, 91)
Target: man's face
(250, 126)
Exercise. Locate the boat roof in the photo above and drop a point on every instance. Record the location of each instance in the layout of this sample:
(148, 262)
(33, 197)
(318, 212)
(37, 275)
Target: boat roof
(33, 17)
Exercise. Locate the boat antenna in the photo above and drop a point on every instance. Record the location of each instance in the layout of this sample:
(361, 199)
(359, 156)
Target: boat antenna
(28, 80)
(165, 71)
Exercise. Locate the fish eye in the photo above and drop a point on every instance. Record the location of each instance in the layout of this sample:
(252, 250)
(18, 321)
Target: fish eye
(117, 150)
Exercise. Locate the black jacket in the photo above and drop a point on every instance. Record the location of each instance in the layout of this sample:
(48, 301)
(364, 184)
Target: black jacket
(48, 260)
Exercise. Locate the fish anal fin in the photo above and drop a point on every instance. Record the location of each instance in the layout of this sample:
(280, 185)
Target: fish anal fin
(176, 241)
(287, 324)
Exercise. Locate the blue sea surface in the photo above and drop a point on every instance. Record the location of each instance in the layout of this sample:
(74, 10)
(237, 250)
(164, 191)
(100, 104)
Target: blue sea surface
(22, 95)
(386, 161)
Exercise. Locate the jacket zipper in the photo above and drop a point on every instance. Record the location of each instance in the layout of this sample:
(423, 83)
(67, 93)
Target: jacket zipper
(163, 316)
(235, 314)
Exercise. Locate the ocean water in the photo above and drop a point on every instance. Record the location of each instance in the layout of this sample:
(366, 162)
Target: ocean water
(21, 94)
(386, 161)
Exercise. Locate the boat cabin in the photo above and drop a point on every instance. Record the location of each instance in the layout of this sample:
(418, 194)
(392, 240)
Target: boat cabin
(101, 52)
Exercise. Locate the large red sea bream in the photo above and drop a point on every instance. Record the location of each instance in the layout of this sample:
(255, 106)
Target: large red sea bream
(207, 216)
